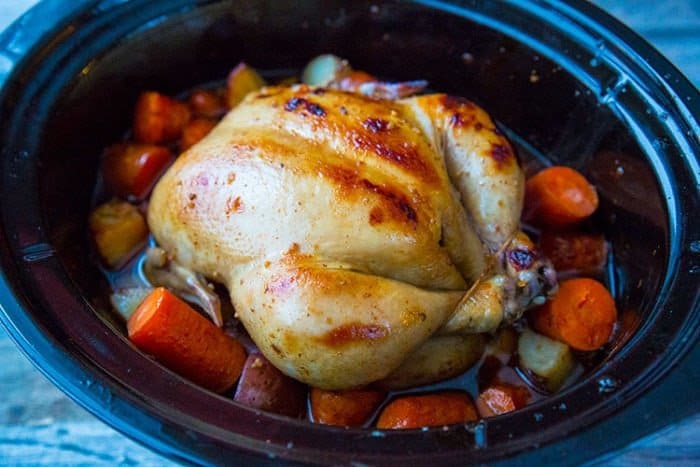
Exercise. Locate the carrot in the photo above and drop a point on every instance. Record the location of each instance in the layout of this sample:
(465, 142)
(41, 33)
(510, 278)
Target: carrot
(344, 408)
(206, 104)
(572, 251)
(436, 409)
(119, 230)
(241, 81)
(158, 118)
(559, 196)
(501, 398)
(582, 314)
(131, 170)
(195, 131)
(186, 342)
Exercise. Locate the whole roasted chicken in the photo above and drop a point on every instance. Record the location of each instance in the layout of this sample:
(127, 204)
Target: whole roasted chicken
(355, 232)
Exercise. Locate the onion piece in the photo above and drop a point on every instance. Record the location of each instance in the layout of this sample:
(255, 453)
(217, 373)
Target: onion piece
(127, 299)
(162, 270)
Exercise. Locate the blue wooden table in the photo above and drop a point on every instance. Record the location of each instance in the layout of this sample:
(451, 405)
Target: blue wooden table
(39, 425)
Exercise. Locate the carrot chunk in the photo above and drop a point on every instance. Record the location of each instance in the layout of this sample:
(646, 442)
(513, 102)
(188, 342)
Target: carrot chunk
(501, 398)
(158, 118)
(344, 408)
(582, 314)
(437, 409)
(131, 170)
(119, 230)
(572, 251)
(559, 196)
(184, 341)
(195, 131)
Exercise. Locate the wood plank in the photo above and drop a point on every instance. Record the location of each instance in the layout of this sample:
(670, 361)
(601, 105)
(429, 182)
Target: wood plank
(671, 26)
(649, 16)
(88, 442)
(676, 445)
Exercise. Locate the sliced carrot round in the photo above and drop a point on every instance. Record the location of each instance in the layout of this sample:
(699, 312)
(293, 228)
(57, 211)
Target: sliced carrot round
(501, 398)
(437, 409)
(582, 314)
(559, 196)
(344, 408)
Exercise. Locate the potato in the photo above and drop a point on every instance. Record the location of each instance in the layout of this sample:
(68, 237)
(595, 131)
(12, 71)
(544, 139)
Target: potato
(264, 387)
(504, 344)
(549, 359)
(324, 70)
(241, 81)
(440, 357)
(119, 230)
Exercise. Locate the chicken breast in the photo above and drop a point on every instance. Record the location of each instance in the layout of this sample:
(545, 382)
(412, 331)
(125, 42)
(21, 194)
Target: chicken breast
(350, 230)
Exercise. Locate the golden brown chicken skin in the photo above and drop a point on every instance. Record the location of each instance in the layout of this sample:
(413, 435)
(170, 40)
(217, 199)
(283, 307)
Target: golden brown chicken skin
(349, 230)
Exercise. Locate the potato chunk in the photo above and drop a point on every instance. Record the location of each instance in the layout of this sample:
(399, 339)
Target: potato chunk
(549, 359)
(119, 230)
